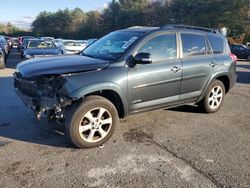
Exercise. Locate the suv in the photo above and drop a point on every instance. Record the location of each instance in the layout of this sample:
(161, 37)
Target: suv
(241, 51)
(126, 72)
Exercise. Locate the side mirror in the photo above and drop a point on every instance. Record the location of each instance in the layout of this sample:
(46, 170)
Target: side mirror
(143, 58)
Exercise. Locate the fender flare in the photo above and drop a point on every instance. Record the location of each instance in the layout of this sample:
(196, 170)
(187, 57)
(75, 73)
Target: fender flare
(95, 87)
(212, 78)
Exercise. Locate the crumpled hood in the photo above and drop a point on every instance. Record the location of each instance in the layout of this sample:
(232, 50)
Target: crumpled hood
(59, 65)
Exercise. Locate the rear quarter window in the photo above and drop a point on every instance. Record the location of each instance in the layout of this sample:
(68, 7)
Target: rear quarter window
(217, 44)
(193, 45)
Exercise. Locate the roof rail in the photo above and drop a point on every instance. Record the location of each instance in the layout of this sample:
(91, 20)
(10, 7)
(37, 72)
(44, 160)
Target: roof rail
(137, 26)
(190, 27)
(141, 27)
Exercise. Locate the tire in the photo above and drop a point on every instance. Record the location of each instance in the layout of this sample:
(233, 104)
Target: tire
(213, 100)
(2, 62)
(248, 58)
(84, 128)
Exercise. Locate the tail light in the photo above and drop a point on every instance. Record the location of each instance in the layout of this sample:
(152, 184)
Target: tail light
(233, 57)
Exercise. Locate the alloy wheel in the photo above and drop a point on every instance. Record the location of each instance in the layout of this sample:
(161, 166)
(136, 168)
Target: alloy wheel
(95, 125)
(215, 97)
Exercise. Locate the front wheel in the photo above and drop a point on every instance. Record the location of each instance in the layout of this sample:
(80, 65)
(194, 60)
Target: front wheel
(92, 122)
(214, 97)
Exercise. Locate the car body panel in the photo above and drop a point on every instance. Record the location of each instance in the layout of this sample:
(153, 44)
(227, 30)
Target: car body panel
(59, 65)
(196, 71)
(143, 79)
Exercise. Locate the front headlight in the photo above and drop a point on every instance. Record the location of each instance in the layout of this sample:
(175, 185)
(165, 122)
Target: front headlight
(27, 56)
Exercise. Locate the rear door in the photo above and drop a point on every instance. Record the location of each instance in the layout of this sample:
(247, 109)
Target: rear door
(197, 65)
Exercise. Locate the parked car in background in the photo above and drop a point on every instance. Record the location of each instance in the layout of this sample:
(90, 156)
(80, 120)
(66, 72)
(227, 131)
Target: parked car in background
(46, 38)
(9, 41)
(2, 58)
(5, 44)
(40, 48)
(3, 49)
(126, 72)
(90, 41)
(21, 39)
(73, 46)
(24, 46)
(14, 42)
(241, 51)
(58, 42)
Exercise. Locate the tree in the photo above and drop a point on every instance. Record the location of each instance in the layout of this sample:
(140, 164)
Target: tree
(234, 14)
(110, 19)
(91, 27)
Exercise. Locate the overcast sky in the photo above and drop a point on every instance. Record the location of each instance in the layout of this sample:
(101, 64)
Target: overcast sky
(22, 12)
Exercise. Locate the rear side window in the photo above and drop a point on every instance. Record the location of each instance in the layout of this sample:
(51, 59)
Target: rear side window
(216, 43)
(193, 45)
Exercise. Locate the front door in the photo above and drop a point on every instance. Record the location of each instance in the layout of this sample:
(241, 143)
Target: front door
(158, 84)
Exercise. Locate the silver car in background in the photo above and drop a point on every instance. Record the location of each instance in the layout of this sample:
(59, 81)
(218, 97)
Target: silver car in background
(73, 46)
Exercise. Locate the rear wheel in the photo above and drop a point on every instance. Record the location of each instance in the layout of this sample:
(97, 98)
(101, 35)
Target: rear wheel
(214, 97)
(92, 122)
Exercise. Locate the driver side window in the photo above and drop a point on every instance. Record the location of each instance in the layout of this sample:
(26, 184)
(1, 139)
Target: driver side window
(161, 48)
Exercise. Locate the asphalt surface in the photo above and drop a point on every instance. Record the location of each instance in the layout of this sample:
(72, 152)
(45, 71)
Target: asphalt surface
(178, 147)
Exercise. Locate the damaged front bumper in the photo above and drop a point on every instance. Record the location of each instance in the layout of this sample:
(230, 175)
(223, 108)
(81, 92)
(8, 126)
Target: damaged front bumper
(44, 100)
(28, 101)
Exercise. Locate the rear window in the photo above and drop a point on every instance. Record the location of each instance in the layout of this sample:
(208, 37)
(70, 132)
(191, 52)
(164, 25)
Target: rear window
(216, 43)
(41, 44)
(193, 45)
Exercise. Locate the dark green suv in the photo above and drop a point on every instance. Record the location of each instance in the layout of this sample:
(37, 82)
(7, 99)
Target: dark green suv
(125, 72)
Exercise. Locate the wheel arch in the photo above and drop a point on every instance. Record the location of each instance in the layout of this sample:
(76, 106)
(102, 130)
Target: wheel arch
(223, 77)
(110, 91)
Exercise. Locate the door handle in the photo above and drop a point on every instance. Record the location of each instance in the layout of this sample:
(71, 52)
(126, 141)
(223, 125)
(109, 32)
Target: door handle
(175, 69)
(212, 64)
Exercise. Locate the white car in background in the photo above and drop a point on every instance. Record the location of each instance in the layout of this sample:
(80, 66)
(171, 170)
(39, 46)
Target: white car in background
(58, 42)
(73, 46)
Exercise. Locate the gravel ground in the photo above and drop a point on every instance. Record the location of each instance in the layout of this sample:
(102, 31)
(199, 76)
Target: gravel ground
(177, 147)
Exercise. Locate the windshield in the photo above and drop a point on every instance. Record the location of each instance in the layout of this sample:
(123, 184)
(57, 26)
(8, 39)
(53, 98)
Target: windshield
(41, 44)
(111, 46)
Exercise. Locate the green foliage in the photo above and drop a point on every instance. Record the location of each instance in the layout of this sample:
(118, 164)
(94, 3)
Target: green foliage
(234, 14)
(9, 29)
